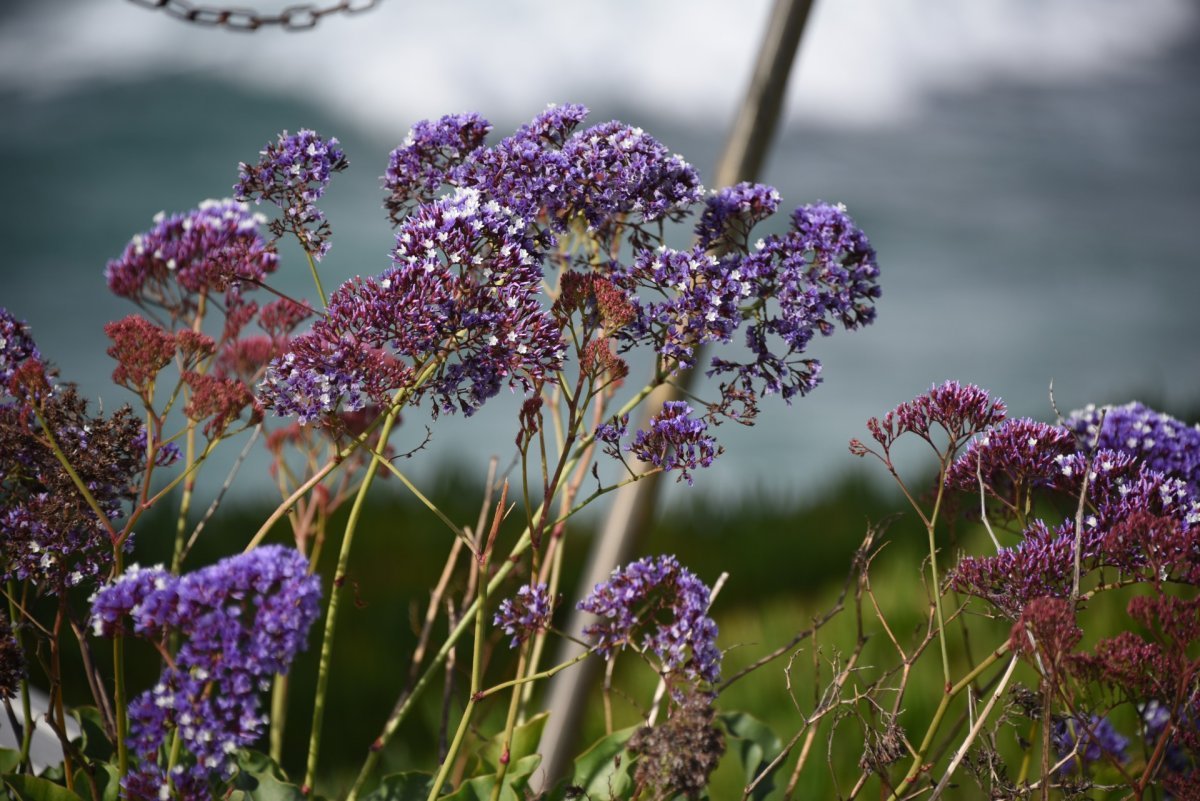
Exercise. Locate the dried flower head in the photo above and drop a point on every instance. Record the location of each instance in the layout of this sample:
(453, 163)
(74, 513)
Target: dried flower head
(677, 757)
(12, 660)
(141, 349)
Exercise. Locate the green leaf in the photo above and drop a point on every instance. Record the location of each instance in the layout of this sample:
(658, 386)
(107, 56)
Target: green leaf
(603, 770)
(93, 742)
(10, 758)
(410, 786)
(525, 741)
(480, 788)
(108, 781)
(260, 779)
(32, 788)
(757, 745)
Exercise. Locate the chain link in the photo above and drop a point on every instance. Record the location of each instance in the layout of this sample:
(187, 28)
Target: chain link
(299, 17)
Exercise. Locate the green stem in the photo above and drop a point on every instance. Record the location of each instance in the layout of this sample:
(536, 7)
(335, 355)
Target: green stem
(312, 266)
(26, 707)
(279, 692)
(314, 742)
(75, 479)
(476, 659)
(119, 711)
(951, 692)
(510, 723)
(173, 760)
(545, 674)
(185, 503)
(937, 586)
(405, 706)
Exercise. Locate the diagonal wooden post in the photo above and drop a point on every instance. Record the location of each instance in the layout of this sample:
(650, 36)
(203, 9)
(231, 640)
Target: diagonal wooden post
(633, 507)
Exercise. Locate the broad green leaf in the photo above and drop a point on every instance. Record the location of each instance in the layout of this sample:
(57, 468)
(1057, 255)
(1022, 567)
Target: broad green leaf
(92, 740)
(524, 742)
(33, 788)
(603, 770)
(260, 779)
(757, 745)
(410, 786)
(10, 758)
(108, 782)
(480, 788)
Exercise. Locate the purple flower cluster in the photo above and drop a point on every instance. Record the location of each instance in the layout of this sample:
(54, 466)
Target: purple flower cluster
(1156, 716)
(821, 272)
(241, 621)
(205, 250)
(675, 441)
(16, 347)
(461, 304)
(658, 607)
(959, 411)
(702, 304)
(730, 214)
(49, 533)
(1159, 440)
(293, 174)
(422, 165)
(525, 614)
(547, 169)
(1090, 739)
(461, 299)
(1011, 458)
(1116, 532)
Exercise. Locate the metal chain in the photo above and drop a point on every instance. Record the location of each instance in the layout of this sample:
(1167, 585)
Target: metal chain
(299, 17)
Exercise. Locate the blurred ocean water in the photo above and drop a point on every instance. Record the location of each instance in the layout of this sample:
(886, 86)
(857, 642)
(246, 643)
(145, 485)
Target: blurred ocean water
(1029, 230)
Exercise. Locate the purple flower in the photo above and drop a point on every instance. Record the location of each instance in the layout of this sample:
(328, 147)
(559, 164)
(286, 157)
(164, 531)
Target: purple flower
(1091, 739)
(675, 441)
(960, 411)
(423, 164)
(462, 301)
(207, 249)
(658, 607)
(823, 271)
(49, 534)
(703, 300)
(613, 169)
(1156, 717)
(16, 346)
(525, 614)
(240, 621)
(293, 174)
(1012, 457)
(730, 213)
(1162, 442)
